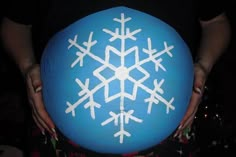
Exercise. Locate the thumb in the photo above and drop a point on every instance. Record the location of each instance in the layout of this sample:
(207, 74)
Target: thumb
(34, 76)
(199, 78)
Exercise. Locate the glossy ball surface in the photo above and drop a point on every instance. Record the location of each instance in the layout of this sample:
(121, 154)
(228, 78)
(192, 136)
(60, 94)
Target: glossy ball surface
(117, 81)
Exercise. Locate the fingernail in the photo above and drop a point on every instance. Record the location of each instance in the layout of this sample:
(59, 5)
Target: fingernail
(188, 136)
(198, 90)
(56, 138)
(180, 127)
(43, 132)
(175, 135)
(55, 134)
(180, 137)
(53, 130)
(45, 140)
(38, 88)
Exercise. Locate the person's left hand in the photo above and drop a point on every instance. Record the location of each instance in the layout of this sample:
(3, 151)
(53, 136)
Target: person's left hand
(200, 76)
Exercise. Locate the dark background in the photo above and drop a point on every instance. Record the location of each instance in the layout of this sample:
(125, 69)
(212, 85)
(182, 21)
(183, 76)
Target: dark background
(214, 127)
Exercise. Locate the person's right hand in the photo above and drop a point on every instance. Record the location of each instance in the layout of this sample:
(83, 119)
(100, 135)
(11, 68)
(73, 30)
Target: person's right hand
(34, 91)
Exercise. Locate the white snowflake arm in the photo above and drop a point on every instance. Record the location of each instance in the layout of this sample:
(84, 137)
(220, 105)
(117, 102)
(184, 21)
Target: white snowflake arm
(82, 51)
(156, 98)
(86, 94)
(114, 117)
(128, 116)
(121, 134)
(153, 54)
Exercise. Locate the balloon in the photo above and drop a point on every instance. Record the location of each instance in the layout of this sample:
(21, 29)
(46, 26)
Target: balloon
(117, 81)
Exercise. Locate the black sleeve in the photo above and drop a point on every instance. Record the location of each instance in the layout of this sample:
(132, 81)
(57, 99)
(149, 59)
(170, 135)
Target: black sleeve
(208, 9)
(20, 11)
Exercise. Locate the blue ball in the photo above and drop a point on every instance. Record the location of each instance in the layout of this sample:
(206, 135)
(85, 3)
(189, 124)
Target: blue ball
(117, 81)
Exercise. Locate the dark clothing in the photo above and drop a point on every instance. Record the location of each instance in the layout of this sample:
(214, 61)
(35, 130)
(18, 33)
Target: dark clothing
(49, 17)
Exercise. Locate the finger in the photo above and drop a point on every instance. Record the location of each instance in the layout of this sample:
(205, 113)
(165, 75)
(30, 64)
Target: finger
(38, 124)
(185, 126)
(42, 125)
(34, 75)
(185, 129)
(199, 81)
(34, 82)
(190, 113)
(192, 108)
(189, 121)
(42, 113)
(198, 88)
(200, 76)
(39, 121)
(42, 119)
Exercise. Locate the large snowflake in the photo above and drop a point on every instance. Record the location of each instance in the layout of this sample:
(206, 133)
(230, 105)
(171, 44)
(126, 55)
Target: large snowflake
(120, 73)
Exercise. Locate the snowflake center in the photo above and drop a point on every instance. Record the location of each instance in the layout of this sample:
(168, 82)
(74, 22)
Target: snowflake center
(122, 73)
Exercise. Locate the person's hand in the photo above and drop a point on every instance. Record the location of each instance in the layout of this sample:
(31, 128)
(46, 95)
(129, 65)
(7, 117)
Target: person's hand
(200, 77)
(39, 113)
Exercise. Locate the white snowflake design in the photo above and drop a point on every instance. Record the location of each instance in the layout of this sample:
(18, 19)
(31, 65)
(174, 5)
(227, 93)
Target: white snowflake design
(122, 74)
